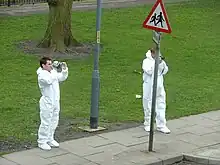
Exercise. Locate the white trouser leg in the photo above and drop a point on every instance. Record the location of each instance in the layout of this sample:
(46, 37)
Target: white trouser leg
(54, 121)
(46, 113)
(161, 109)
(147, 111)
(147, 103)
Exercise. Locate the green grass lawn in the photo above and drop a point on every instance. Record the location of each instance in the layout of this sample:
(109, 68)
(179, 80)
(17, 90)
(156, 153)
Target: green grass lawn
(191, 51)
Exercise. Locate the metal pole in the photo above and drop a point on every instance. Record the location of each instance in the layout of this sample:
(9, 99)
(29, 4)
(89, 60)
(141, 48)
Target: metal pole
(153, 106)
(94, 111)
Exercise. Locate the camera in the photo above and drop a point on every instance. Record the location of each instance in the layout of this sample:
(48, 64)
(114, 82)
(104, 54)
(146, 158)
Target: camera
(162, 57)
(58, 65)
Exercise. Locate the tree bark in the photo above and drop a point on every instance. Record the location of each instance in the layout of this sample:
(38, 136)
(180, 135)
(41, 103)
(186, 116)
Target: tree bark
(58, 35)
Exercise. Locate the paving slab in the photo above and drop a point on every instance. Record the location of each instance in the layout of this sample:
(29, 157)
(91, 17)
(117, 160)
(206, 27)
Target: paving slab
(164, 138)
(174, 147)
(136, 132)
(124, 138)
(93, 141)
(139, 157)
(212, 152)
(199, 141)
(109, 151)
(178, 123)
(198, 130)
(213, 115)
(79, 149)
(216, 128)
(4, 161)
(27, 158)
(45, 154)
(114, 149)
(109, 155)
(69, 159)
(101, 158)
(107, 158)
(200, 120)
(86, 146)
(91, 163)
(161, 152)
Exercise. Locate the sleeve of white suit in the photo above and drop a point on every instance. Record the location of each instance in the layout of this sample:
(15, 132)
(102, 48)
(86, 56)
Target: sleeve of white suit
(46, 79)
(62, 76)
(147, 67)
(164, 67)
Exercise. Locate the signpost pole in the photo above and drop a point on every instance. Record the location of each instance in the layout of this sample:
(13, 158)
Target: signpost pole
(153, 106)
(94, 111)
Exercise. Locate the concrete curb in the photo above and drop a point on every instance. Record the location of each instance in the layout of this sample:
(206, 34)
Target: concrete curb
(188, 157)
(173, 160)
(201, 160)
(168, 161)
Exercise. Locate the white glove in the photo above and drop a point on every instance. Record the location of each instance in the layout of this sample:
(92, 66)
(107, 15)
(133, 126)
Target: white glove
(55, 64)
(64, 66)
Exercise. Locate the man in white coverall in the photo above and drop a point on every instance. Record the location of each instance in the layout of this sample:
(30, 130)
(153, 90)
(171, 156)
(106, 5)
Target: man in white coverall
(48, 81)
(148, 74)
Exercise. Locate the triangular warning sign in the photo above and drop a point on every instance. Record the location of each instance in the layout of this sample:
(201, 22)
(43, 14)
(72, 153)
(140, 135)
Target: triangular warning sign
(157, 19)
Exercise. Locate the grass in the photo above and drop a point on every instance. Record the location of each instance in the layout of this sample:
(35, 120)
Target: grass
(192, 52)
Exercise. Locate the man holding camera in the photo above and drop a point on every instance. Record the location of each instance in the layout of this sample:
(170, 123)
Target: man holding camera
(148, 74)
(48, 82)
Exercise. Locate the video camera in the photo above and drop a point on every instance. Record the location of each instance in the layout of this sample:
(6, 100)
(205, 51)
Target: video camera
(58, 65)
(162, 57)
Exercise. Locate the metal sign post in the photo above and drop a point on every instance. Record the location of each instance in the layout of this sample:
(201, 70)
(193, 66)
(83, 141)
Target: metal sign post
(156, 39)
(94, 112)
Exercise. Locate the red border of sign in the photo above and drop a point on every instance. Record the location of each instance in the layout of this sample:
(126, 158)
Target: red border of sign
(165, 15)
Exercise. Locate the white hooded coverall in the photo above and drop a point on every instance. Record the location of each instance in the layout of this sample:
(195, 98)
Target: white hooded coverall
(148, 76)
(49, 103)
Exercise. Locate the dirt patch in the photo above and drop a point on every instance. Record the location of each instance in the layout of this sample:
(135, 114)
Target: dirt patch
(12, 145)
(67, 130)
(78, 52)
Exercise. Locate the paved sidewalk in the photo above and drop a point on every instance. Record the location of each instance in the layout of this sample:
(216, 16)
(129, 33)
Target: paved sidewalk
(194, 135)
(43, 7)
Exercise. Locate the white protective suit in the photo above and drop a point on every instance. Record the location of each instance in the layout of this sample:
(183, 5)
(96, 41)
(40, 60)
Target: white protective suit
(48, 83)
(148, 76)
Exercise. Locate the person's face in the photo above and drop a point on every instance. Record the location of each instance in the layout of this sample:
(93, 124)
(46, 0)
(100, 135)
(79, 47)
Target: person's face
(153, 54)
(48, 66)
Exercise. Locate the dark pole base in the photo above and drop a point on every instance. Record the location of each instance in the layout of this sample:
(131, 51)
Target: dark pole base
(93, 122)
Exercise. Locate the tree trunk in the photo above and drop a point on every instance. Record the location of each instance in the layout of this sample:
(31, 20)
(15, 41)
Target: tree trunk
(58, 35)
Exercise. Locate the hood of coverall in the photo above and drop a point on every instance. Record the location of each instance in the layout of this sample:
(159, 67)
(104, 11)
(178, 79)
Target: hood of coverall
(39, 70)
(148, 55)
